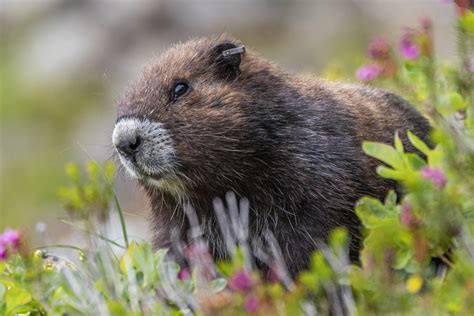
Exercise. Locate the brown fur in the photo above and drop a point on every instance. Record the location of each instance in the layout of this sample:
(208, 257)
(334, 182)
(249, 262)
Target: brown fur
(292, 145)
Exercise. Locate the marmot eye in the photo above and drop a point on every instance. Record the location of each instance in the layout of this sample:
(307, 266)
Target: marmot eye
(180, 89)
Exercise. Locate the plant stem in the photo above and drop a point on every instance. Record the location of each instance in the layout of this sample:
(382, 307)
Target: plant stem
(122, 221)
(58, 246)
(90, 232)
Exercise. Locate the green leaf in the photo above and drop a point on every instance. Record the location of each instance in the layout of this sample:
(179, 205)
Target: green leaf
(320, 266)
(403, 258)
(117, 308)
(74, 173)
(218, 285)
(457, 101)
(391, 199)
(339, 238)
(384, 153)
(16, 297)
(414, 161)
(126, 262)
(398, 143)
(310, 280)
(372, 212)
(3, 291)
(144, 260)
(388, 173)
(418, 143)
(467, 22)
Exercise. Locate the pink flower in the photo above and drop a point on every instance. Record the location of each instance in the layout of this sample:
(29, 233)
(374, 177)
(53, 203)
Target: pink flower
(368, 72)
(184, 274)
(407, 218)
(274, 274)
(3, 253)
(11, 238)
(407, 44)
(241, 282)
(426, 24)
(436, 176)
(251, 304)
(379, 48)
(9, 241)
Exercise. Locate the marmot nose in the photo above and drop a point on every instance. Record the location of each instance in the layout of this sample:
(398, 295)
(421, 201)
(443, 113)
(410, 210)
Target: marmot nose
(129, 146)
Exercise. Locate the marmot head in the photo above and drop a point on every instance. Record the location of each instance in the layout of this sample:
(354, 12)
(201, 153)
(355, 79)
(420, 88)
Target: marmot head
(191, 120)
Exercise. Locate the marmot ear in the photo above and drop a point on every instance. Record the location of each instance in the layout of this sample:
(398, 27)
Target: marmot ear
(227, 58)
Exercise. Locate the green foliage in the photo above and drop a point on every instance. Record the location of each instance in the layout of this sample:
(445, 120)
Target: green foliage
(90, 196)
(418, 247)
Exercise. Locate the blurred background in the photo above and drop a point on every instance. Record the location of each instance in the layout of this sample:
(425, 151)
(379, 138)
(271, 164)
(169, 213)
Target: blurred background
(63, 65)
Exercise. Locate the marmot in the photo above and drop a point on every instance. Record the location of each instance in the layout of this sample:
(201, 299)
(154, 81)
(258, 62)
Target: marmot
(208, 117)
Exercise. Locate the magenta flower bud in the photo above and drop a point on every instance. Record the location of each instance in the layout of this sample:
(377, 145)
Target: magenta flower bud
(436, 176)
(251, 304)
(426, 23)
(379, 48)
(409, 50)
(274, 274)
(11, 238)
(3, 253)
(368, 73)
(408, 47)
(407, 218)
(406, 215)
(184, 274)
(241, 282)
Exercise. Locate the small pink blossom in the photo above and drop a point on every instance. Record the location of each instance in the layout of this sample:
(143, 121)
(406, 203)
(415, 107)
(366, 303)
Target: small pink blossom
(426, 23)
(184, 274)
(379, 48)
(407, 218)
(251, 304)
(3, 253)
(241, 282)
(11, 238)
(368, 72)
(274, 274)
(436, 176)
(408, 47)
(9, 242)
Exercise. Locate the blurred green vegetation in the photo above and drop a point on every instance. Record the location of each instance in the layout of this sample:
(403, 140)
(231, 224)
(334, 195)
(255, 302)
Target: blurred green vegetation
(37, 120)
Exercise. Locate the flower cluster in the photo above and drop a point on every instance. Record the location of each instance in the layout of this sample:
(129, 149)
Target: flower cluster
(9, 243)
(382, 62)
(413, 44)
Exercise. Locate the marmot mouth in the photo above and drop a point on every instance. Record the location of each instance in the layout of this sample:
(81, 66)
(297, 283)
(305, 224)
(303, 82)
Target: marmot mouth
(145, 176)
(167, 181)
(136, 170)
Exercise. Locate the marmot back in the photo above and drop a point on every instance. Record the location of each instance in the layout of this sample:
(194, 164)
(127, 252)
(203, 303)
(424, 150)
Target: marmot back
(207, 118)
